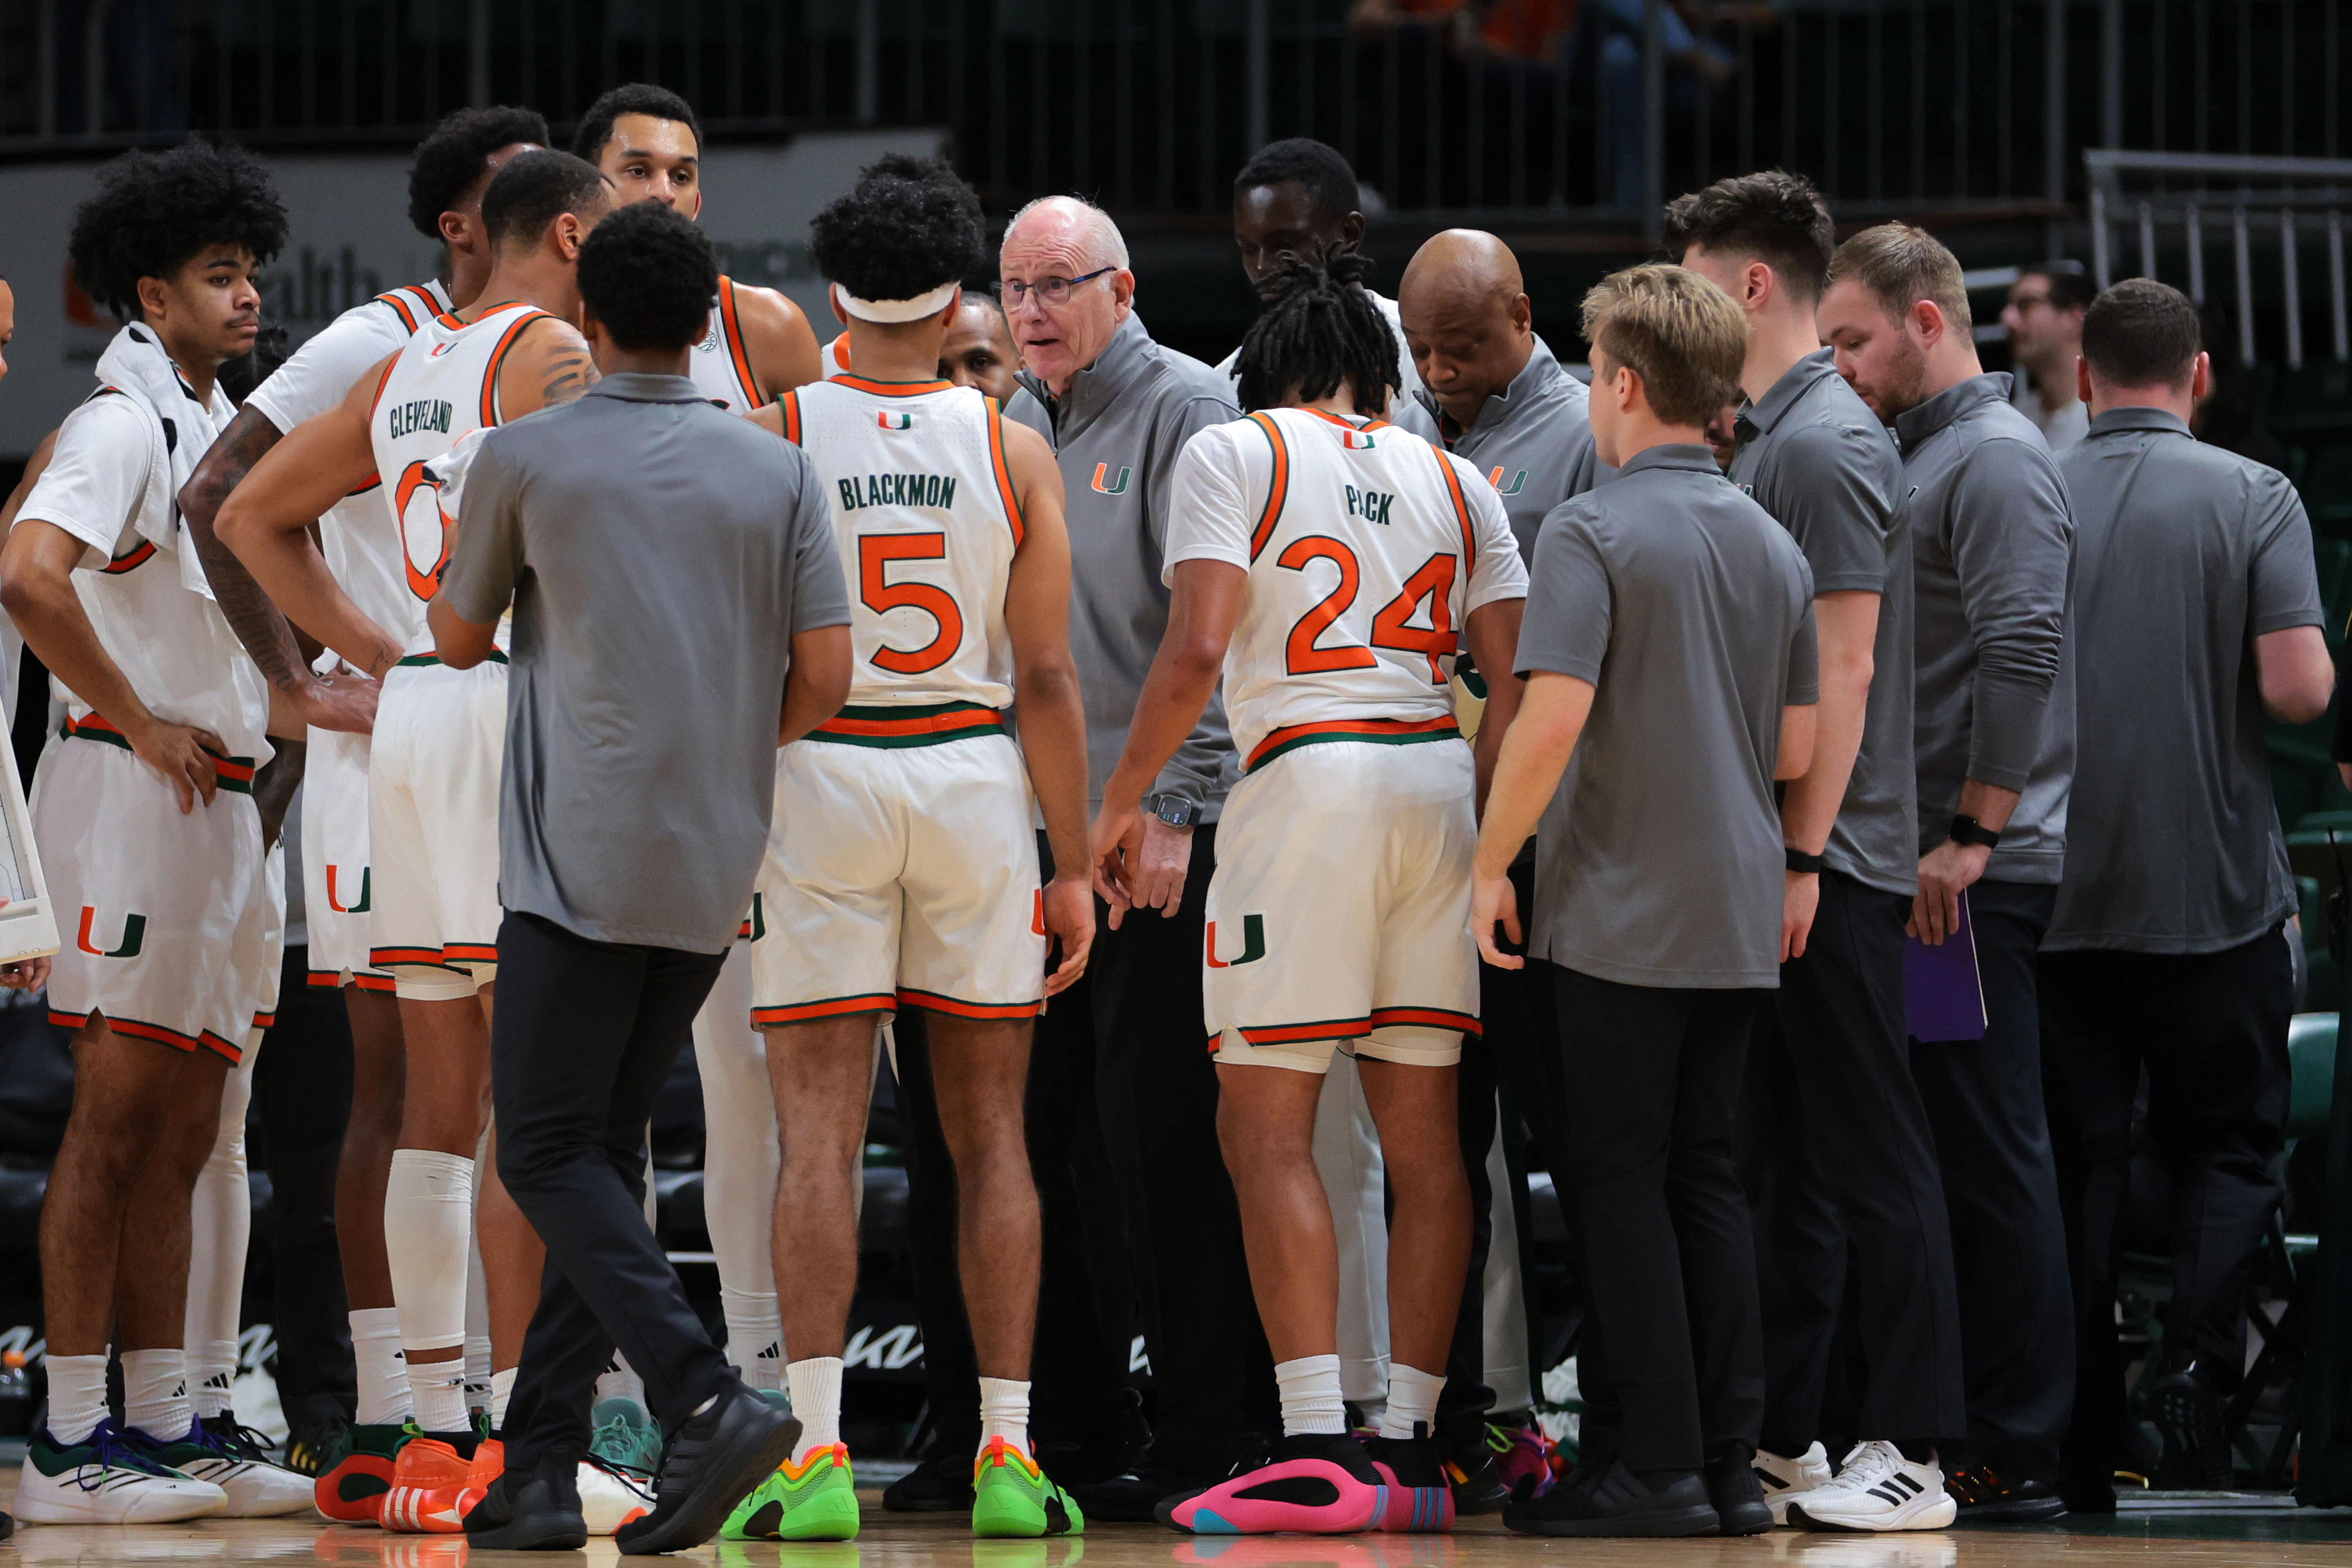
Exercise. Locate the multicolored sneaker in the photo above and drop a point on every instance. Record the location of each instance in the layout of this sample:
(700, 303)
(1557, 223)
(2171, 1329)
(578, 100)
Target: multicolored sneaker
(1311, 1483)
(625, 1437)
(1011, 1497)
(1420, 1500)
(105, 1479)
(815, 1500)
(354, 1476)
(1522, 1458)
(255, 1489)
(609, 1498)
(429, 1477)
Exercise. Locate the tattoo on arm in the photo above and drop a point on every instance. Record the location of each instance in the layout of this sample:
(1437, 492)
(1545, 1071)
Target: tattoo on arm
(569, 373)
(258, 623)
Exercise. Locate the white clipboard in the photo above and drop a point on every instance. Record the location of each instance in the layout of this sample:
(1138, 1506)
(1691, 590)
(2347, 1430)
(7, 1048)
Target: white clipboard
(29, 925)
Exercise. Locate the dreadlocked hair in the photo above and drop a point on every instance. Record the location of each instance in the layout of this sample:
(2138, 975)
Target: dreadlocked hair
(1319, 329)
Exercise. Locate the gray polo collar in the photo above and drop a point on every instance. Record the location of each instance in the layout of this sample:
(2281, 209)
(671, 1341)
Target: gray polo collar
(1535, 378)
(1781, 396)
(1124, 359)
(631, 386)
(1946, 406)
(2140, 419)
(1676, 455)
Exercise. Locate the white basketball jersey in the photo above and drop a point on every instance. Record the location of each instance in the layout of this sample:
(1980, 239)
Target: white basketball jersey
(722, 365)
(924, 512)
(357, 535)
(442, 387)
(1367, 549)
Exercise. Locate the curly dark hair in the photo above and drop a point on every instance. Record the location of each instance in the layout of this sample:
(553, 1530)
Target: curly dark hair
(534, 189)
(152, 212)
(630, 98)
(1775, 216)
(1318, 166)
(909, 226)
(1319, 328)
(646, 275)
(449, 163)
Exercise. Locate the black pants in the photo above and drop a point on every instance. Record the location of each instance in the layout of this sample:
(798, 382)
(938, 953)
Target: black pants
(1842, 1176)
(581, 1041)
(1080, 1395)
(2001, 1191)
(2210, 1030)
(1135, 1024)
(302, 1094)
(1653, 1078)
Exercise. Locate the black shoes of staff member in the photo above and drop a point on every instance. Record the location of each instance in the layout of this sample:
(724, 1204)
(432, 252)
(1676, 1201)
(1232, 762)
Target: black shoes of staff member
(2196, 1447)
(1617, 1502)
(1738, 1493)
(1475, 1474)
(1134, 1496)
(1981, 1495)
(711, 1465)
(538, 1512)
(941, 1484)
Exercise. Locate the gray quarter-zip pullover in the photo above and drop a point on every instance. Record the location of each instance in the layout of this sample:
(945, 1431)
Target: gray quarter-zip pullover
(1533, 441)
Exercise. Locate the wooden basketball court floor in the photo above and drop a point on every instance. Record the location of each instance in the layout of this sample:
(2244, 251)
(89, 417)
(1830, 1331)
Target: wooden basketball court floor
(2219, 1532)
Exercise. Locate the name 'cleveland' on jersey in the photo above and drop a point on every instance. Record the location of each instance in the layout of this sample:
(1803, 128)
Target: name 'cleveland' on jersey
(1367, 549)
(924, 512)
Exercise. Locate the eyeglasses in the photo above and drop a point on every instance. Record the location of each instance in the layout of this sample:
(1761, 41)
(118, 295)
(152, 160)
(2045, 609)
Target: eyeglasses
(1050, 291)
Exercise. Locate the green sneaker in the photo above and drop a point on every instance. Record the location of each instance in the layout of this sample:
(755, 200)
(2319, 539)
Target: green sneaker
(1012, 1497)
(626, 1438)
(817, 1501)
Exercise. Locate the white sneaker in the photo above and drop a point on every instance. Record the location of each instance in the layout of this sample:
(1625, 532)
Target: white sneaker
(1783, 1478)
(254, 1487)
(1877, 1488)
(608, 1501)
(107, 1482)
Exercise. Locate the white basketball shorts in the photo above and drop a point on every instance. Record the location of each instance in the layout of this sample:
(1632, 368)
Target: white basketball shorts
(1338, 917)
(338, 882)
(433, 820)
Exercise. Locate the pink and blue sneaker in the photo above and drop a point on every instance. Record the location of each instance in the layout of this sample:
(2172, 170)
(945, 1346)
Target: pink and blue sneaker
(1413, 1470)
(1313, 1483)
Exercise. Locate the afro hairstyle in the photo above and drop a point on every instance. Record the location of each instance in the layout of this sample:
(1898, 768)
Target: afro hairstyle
(1318, 166)
(909, 226)
(647, 275)
(153, 212)
(1320, 330)
(630, 98)
(449, 163)
(534, 189)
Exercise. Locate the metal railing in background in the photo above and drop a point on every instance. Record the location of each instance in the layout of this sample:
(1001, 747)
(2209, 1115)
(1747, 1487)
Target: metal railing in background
(1602, 107)
(2182, 205)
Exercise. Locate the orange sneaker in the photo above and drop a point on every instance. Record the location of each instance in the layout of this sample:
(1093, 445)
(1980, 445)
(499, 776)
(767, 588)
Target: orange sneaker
(351, 1485)
(429, 1483)
(489, 1464)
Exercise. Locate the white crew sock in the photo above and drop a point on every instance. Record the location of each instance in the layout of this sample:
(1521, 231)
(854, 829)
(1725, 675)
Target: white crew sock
(382, 1372)
(478, 1371)
(1413, 1398)
(755, 1334)
(436, 1391)
(815, 1385)
(155, 1392)
(77, 1396)
(212, 1375)
(1005, 1411)
(501, 1392)
(1309, 1387)
(620, 1381)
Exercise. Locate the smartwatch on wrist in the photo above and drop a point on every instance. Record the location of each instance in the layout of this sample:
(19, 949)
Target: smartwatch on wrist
(1174, 809)
(1802, 864)
(1966, 830)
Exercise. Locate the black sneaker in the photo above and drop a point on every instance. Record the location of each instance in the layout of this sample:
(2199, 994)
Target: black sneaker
(1133, 1497)
(939, 1485)
(710, 1464)
(1738, 1493)
(1617, 1502)
(313, 1446)
(538, 1512)
(2196, 1448)
(1982, 1496)
(1474, 1472)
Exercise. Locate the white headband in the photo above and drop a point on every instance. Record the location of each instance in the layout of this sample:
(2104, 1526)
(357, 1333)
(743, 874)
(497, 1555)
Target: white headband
(895, 310)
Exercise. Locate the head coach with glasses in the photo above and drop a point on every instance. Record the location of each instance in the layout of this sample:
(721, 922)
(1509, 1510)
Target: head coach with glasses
(1117, 409)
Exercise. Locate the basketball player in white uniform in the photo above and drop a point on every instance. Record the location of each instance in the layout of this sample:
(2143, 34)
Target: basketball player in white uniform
(903, 872)
(362, 551)
(758, 347)
(1328, 566)
(434, 773)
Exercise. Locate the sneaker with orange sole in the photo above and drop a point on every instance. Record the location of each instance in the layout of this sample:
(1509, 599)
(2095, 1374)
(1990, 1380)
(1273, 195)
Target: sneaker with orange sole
(429, 1482)
(489, 1464)
(356, 1474)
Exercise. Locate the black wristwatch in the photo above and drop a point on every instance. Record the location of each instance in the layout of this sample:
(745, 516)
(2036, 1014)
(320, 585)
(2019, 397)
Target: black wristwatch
(1802, 864)
(1966, 830)
(1174, 809)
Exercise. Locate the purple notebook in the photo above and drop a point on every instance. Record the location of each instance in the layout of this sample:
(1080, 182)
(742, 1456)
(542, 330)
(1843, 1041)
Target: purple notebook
(1941, 991)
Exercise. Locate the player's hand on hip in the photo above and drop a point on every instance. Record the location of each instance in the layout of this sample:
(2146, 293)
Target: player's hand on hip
(344, 701)
(1069, 919)
(182, 755)
(1115, 845)
(1945, 873)
(1799, 899)
(1493, 899)
(1167, 859)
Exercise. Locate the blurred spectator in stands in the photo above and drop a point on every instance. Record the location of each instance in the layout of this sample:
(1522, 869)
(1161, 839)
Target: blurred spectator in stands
(1609, 42)
(1489, 70)
(2045, 321)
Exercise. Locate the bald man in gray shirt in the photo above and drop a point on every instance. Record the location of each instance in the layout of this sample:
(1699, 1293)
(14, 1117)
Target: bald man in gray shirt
(2197, 613)
(1992, 539)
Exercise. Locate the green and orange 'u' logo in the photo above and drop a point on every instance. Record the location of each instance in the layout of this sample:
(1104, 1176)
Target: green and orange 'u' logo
(1106, 485)
(1253, 943)
(334, 899)
(134, 933)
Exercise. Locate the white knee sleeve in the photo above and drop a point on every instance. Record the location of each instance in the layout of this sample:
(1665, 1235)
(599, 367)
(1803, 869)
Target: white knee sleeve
(1347, 1157)
(738, 1169)
(478, 1370)
(220, 1230)
(428, 1226)
(1505, 1321)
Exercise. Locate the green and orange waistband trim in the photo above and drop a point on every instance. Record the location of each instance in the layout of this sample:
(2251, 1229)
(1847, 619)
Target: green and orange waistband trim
(1375, 731)
(930, 725)
(231, 773)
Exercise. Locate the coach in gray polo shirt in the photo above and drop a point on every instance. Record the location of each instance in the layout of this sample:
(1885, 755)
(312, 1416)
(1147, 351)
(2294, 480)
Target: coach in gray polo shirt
(2196, 613)
(1993, 728)
(1846, 1161)
(678, 609)
(1117, 409)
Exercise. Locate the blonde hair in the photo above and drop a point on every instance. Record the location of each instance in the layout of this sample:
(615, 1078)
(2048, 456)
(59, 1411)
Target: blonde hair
(1681, 334)
(1900, 266)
